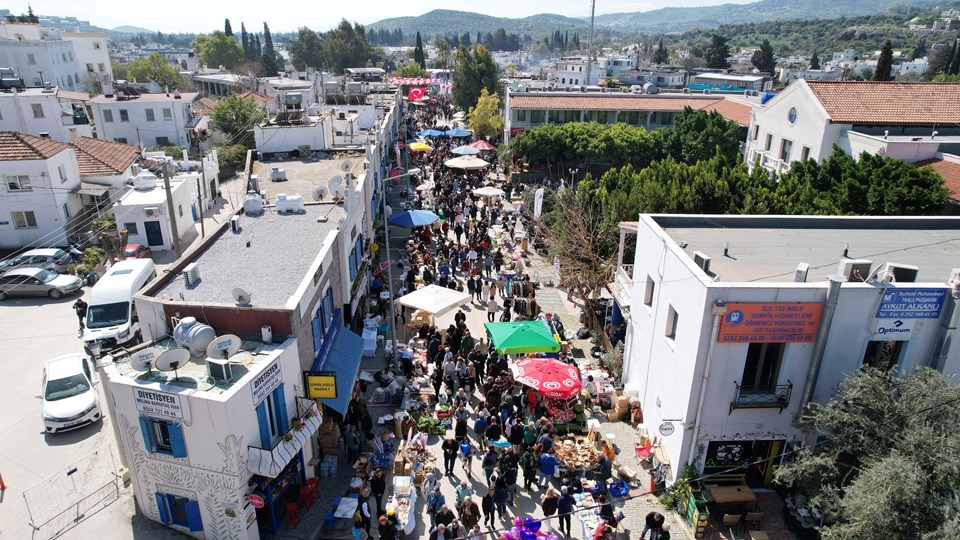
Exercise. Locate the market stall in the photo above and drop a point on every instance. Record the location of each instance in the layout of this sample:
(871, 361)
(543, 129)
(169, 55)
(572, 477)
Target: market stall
(559, 385)
(521, 337)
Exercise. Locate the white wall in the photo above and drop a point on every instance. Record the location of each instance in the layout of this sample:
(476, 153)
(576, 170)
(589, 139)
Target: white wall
(174, 129)
(183, 194)
(91, 52)
(811, 128)
(52, 62)
(46, 200)
(17, 114)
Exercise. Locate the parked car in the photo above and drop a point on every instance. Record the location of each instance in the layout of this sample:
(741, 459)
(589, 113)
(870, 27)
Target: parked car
(48, 258)
(68, 394)
(137, 251)
(32, 281)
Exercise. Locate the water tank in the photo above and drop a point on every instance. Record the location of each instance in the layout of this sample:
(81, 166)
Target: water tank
(253, 204)
(650, 88)
(293, 99)
(193, 336)
(145, 181)
(289, 203)
(277, 174)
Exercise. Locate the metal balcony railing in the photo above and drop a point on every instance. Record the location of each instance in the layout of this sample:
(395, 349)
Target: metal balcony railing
(762, 397)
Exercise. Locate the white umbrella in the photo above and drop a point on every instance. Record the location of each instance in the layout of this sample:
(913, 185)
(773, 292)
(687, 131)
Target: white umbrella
(489, 191)
(465, 151)
(434, 299)
(426, 186)
(466, 162)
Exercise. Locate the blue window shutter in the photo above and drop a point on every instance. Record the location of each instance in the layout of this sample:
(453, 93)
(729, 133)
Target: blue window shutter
(162, 506)
(281, 408)
(147, 435)
(176, 440)
(193, 516)
(264, 426)
(317, 333)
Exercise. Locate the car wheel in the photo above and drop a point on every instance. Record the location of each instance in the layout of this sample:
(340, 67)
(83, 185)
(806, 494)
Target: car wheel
(3, 296)
(55, 293)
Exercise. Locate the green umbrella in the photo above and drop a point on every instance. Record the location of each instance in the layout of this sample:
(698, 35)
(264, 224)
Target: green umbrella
(522, 337)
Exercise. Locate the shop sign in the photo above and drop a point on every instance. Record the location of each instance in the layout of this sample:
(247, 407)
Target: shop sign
(911, 303)
(256, 501)
(267, 381)
(155, 403)
(516, 131)
(893, 329)
(774, 322)
(667, 429)
(321, 384)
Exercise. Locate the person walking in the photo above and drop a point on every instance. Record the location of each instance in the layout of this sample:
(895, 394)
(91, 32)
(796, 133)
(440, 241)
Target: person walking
(653, 523)
(484, 291)
(435, 501)
(549, 505)
(548, 467)
(490, 461)
(463, 491)
(80, 308)
(466, 456)
(353, 444)
(386, 530)
(378, 486)
(489, 508)
(528, 462)
(450, 449)
(469, 513)
(492, 308)
(365, 515)
(501, 496)
(565, 505)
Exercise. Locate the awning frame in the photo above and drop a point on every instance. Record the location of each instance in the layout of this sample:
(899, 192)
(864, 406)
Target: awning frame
(270, 463)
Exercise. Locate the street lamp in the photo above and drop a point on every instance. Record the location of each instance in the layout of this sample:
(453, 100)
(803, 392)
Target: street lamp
(386, 242)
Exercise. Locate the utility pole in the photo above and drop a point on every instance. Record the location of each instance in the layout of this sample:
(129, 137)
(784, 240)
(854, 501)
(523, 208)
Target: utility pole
(593, 4)
(200, 208)
(171, 212)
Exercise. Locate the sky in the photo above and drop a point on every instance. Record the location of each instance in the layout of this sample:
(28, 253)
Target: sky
(206, 16)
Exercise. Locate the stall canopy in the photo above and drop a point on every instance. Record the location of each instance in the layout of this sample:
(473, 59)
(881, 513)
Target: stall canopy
(548, 376)
(434, 299)
(430, 133)
(482, 145)
(340, 353)
(466, 162)
(489, 191)
(413, 218)
(419, 147)
(458, 132)
(522, 337)
(465, 151)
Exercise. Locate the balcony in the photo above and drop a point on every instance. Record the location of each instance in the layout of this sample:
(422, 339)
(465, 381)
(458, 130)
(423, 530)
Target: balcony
(622, 287)
(762, 397)
(767, 161)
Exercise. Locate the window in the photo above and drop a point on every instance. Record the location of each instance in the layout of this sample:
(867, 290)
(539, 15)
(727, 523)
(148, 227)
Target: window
(356, 257)
(762, 368)
(124, 115)
(90, 68)
(179, 511)
(63, 174)
(522, 115)
(150, 117)
(756, 131)
(180, 210)
(20, 182)
(786, 147)
(107, 116)
(536, 117)
(163, 437)
(769, 142)
(64, 55)
(672, 319)
(883, 354)
(96, 45)
(120, 140)
(31, 59)
(163, 141)
(168, 114)
(131, 228)
(24, 220)
(805, 153)
(101, 67)
(648, 292)
(322, 319)
(37, 110)
(66, 211)
(272, 417)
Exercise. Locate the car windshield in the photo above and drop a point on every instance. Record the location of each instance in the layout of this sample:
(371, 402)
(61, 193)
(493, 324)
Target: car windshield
(66, 387)
(46, 276)
(104, 315)
(129, 252)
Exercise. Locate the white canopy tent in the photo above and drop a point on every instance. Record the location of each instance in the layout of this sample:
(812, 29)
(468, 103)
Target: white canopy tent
(434, 299)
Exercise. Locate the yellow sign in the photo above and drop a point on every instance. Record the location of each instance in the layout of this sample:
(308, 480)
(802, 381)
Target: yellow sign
(321, 384)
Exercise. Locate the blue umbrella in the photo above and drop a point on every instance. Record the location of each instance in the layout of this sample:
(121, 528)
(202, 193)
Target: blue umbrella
(465, 151)
(430, 133)
(413, 218)
(459, 132)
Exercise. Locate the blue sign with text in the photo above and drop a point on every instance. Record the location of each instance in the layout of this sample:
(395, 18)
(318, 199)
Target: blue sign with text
(911, 303)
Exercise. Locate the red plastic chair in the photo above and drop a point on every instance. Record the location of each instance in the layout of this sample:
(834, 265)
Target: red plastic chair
(306, 497)
(293, 515)
(314, 487)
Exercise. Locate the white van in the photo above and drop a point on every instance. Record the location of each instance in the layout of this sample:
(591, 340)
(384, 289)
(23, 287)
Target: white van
(111, 316)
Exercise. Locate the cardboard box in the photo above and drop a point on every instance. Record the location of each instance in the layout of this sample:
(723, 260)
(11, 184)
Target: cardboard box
(407, 468)
(622, 402)
(613, 414)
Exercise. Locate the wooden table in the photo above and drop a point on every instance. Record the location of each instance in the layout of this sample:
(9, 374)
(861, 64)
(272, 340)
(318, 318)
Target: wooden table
(759, 535)
(731, 494)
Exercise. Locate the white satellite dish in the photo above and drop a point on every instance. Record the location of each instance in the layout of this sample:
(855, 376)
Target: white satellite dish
(319, 193)
(241, 296)
(336, 187)
(143, 360)
(172, 360)
(224, 346)
(346, 165)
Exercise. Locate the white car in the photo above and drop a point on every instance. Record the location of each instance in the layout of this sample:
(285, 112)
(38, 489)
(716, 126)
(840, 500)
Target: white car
(70, 399)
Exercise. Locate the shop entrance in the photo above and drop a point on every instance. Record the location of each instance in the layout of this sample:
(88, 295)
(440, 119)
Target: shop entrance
(733, 457)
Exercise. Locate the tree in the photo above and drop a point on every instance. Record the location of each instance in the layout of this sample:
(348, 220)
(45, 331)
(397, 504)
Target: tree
(306, 49)
(878, 427)
(955, 62)
(247, 43)
(920, 50)
(226, 28)
(717, 53)
(235, 118)
(154, 68)
(411, 69)
(763, 58)
(345, 46)
(698, 136)
(814, 60)
(218, 49)
(443, 51)
(884, 63)
(476, 70)
(485, 118)
(661, 56)
(269, 59)
(418, 56)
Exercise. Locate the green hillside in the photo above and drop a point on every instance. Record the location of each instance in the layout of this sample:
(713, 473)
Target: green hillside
(445, 21)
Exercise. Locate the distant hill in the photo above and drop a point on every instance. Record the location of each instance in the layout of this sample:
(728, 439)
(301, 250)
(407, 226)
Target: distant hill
(445, 21)
(132, 30)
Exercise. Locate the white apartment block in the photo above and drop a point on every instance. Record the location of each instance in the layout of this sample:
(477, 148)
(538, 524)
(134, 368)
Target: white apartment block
(145, 120)
(93, 59)
(40, 55)
(58, 113)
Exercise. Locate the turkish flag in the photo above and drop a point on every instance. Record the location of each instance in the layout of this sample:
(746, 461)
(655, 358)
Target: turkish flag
(416, 94)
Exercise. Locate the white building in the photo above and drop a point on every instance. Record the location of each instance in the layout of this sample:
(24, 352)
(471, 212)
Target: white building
(729, 82)
(661, 77)
(58, 113)
(572, 71)
(40, 206)
(733, 323)
(145, 120)
(104, 168)
(41, 55)
(93, 59)
(790, 75)
(143, 210)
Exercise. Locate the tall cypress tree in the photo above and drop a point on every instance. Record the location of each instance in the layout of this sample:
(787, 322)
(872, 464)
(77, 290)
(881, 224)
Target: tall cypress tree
(418, 56)
(245, 43)
(885, 63)
(259, 50)
(814, 60)
(226, 28)
(269, 56)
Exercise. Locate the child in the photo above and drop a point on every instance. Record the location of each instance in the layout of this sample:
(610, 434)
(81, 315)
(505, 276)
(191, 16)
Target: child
(466, 456)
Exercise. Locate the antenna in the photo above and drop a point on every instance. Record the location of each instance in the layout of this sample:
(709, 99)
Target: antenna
(224, 346)
(142, 361)
(172, 360)
(319, 193)
(241, 296)
(336, 187)
(346, 165)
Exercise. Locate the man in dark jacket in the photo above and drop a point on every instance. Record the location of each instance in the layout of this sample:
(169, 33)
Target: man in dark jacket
(490, 461)
(565, 506)
(387, 531)
(378, 486)
(489, 507)
(450, 448)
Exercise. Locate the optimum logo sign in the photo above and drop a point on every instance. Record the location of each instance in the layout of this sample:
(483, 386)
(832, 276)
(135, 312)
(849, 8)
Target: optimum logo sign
(894, 329)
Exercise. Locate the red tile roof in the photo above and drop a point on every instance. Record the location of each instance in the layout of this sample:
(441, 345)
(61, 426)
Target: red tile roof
(608, 102)
(97, 157)
(258, 97)
(735, 111)
(889, 103)
(22, 147)
(204, 106)
(949, 170)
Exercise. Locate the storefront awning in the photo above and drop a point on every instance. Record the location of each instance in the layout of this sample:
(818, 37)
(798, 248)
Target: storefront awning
(270, 462)
(343, 358)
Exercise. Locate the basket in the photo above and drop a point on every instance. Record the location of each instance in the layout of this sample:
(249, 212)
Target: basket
(619, 489)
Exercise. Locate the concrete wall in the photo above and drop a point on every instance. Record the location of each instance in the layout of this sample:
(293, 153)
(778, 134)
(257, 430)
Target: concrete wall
(41, 62)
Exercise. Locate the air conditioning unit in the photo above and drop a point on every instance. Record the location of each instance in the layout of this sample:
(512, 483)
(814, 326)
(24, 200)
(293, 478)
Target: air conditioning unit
(219, 370)
(702, 260)
(902, 273)
(854, 269)
(235, 224)
(800, 276)
(192, 273)
(151, 211)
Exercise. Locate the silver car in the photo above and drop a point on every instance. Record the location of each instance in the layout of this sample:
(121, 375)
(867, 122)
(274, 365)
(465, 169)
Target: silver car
(53, 259)
(37, 282)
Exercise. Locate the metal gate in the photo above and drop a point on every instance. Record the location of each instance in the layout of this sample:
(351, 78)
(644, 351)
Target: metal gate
(64, 499)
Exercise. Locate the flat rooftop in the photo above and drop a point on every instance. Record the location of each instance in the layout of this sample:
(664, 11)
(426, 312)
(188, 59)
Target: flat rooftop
(768, 248)
(304, 175)
(155, 195)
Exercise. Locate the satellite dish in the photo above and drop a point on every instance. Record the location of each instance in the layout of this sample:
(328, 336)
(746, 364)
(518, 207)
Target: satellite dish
(224, 346)
(143, 360)
(319, 193)
(336, 187)
(346, 165)
(172, 359)
(241, 296)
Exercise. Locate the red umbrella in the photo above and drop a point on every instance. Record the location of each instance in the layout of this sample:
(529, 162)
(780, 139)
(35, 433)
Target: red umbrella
(550, 377)
(482, 145)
